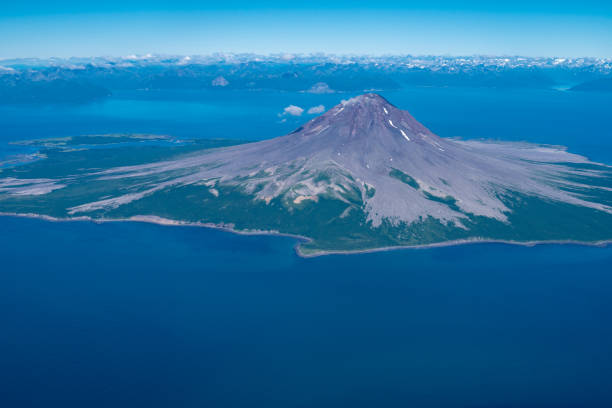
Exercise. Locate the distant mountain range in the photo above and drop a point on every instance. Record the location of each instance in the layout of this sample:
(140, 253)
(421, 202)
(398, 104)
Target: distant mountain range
(410, 61)
(84, 79)
(364, 175)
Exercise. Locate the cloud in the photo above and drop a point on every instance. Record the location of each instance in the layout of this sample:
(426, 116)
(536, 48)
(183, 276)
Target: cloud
(293, 110)
(315, 110)
(320, 88)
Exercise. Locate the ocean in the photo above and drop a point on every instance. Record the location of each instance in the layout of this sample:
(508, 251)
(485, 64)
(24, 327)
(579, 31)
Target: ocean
(134, 314)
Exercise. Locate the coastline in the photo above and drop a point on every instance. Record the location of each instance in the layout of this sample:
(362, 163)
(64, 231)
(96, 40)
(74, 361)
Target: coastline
(153, 219)
(458, 242)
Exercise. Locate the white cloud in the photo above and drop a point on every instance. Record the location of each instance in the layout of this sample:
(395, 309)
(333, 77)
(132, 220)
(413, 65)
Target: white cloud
(320, 88)
(293, 110)
(315, 110)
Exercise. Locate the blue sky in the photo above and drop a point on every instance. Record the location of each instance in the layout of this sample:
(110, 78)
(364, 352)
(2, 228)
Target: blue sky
(81, 28)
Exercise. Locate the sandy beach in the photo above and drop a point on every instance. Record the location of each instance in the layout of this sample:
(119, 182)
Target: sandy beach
(153, 219)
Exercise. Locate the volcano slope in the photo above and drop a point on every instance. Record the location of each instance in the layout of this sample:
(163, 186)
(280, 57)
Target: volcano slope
(364, 175)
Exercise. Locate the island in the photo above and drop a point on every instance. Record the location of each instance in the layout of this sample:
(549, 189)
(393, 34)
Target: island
(362, 176)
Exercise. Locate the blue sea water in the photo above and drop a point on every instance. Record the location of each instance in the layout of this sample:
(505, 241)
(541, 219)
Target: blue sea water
(137, 315)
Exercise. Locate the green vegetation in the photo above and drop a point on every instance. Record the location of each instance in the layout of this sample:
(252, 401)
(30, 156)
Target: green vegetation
(404, 178)
(61, 163)
(331, 224)
(370, 191)
(450, 201)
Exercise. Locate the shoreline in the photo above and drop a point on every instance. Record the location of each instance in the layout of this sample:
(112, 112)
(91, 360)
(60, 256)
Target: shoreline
(458, 242)
(153, 219)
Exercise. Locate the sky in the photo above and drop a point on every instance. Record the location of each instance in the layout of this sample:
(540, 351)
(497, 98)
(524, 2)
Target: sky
(65, 28)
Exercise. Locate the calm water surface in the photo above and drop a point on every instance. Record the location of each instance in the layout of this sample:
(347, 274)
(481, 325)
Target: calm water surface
(131, 314)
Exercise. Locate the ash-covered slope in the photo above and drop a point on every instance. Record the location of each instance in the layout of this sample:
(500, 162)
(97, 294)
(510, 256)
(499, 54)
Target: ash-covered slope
(401, 170)
(363, 175)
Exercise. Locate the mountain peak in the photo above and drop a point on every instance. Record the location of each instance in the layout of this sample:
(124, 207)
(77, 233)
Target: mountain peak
(367, 117)
(369, 102)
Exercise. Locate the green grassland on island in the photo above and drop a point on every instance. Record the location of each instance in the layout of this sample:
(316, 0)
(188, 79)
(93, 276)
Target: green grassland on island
(330, 224)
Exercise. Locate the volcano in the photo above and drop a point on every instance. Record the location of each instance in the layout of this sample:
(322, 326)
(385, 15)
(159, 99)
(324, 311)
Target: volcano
(365, 175)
